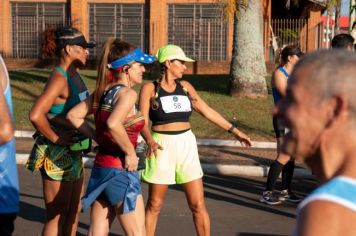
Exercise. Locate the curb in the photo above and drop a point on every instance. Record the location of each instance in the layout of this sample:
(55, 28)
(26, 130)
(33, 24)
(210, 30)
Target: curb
(228, 170)
(206, 142)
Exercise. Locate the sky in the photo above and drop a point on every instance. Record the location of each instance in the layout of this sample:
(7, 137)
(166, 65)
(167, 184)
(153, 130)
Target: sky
(345, 5)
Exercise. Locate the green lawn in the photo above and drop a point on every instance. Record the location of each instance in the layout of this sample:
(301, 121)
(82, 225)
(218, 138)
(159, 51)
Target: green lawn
(253, 115)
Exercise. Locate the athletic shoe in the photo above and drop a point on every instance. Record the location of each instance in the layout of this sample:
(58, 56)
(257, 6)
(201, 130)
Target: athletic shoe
(289, 197)
(269, 198)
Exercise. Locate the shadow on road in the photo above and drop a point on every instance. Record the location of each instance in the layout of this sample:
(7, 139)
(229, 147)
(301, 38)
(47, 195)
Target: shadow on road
(86, 227)
(254, 234)
(233, 190)
(27, 212)
(31, 196)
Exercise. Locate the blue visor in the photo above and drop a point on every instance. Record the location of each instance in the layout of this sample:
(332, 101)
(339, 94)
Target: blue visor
(136, 55)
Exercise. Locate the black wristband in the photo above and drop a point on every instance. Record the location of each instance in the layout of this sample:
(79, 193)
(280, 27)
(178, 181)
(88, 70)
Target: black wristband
(231, 128)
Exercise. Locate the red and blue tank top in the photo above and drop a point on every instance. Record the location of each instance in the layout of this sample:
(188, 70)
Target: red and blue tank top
(110, 153)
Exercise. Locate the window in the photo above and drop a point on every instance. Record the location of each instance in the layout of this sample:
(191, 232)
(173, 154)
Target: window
(29, 20)
(123, 21)
(199, 29)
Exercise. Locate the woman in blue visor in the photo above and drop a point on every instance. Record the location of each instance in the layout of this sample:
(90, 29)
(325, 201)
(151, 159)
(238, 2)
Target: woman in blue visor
(114, 187)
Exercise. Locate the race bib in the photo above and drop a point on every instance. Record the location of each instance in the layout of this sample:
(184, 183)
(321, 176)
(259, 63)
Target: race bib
(83, 95)
(175, 103)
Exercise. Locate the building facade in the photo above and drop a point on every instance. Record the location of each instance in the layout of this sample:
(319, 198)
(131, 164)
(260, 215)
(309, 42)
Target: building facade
(198, 26)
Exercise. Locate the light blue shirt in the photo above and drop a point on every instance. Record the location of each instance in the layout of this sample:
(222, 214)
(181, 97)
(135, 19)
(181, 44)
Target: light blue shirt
(9, 185)
(340, 190)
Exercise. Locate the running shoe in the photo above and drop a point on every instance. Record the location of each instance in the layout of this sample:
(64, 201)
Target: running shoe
(269, 198)
(289, 197)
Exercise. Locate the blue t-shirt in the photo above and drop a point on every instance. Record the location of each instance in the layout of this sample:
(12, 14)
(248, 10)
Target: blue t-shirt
(9, 185)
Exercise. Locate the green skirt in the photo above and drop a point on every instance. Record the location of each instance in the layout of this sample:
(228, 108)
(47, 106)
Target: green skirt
(58, 162)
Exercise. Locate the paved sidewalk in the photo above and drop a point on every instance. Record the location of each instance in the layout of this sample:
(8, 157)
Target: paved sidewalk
(226, 160)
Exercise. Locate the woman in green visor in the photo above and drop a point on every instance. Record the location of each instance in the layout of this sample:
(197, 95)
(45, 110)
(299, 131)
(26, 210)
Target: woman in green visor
(173, 155)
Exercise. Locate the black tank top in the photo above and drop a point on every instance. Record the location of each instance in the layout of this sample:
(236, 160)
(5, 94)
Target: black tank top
(173, 107)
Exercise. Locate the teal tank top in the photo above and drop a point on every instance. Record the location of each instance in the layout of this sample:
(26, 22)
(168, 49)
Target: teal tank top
(74, 98)
(9, 185)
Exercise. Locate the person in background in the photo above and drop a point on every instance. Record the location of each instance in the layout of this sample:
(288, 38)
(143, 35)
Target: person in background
(174, 159)
(343, 41)
(320, 111)
(60, 167)
(9, 186)
(114, 187)
(284, 163)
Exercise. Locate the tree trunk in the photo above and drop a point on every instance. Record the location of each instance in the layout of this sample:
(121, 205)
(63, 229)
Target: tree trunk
(248, 66)
(337, 18)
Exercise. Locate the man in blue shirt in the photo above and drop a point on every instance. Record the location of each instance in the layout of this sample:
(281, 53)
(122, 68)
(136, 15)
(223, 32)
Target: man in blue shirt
(320, 111)
(9, 187)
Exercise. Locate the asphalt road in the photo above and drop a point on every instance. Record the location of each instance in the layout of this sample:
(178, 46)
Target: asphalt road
(232, 203)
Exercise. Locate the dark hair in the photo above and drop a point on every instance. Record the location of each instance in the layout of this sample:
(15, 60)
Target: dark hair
(342, 41)
(54, 40)
(287, 51)
(113, 49)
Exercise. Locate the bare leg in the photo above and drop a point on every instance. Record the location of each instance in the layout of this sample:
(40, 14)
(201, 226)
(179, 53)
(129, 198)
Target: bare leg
(155, 200)
(133, 222)
(72, 215)
(62, 206)
(56, 206)
(281, 157)
(194, 193)
(101, 217)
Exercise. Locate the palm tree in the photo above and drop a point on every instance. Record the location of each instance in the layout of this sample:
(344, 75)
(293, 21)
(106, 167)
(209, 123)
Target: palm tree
(248, 66)
(335, 5)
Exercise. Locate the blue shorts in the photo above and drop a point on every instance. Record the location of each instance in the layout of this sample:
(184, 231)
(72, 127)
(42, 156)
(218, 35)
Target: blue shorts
(115, 185)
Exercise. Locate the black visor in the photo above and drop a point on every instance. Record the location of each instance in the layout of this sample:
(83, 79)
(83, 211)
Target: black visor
(300, 54)
(80, 41)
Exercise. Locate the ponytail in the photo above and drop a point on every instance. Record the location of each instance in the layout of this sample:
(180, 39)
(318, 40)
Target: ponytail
(49, 45)
(113, 49)
(154, 100)
(103, 70)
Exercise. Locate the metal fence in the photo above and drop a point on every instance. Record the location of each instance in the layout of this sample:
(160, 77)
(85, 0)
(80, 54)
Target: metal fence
(288, 31)
(27, 34)
(282, 32)
(203, 39)
(124, 21)
(200, 29)
(29, 20)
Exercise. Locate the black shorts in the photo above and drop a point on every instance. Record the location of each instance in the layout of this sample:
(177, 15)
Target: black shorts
(7, 224)
(279, 129)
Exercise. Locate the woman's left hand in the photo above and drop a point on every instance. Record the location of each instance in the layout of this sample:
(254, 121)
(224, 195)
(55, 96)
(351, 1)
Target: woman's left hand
(242, 137)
